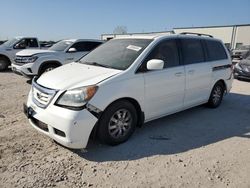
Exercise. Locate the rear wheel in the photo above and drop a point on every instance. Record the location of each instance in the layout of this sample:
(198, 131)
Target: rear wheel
(216, 95)
(4, 63)
(117, 123)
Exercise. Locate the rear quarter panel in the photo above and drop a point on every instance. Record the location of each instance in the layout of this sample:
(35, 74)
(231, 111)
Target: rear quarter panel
(222, 73)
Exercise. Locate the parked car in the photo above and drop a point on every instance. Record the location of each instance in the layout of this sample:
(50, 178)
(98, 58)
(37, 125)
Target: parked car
(30, 63)
(242, 69)
(242, 56)
(240, 53)
(9, 49)
(126, 82)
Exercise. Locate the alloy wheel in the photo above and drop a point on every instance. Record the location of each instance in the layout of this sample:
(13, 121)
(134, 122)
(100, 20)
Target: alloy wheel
(216, 96)
(120, 123)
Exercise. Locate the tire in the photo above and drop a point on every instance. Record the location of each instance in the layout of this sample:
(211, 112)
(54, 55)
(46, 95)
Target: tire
(117, 123)
(216, 95)
(47, 68)
(4, 63)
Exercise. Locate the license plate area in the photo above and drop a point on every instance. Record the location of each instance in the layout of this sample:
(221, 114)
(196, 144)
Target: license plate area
(28, 111)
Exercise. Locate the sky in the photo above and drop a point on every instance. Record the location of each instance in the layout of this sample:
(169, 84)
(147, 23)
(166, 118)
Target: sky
(60, 19)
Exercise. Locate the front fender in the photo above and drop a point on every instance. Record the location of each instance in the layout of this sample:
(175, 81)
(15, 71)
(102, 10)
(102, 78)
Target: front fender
(41, 61)
(115, 89)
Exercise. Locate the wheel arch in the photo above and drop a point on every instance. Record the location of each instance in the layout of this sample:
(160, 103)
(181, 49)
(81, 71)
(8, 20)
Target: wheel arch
(6, 57)
(46, 63)
(137, 106)
(134, 102)
(222, 82)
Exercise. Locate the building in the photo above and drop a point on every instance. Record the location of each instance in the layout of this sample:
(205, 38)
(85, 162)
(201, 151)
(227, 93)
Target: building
(233, 36)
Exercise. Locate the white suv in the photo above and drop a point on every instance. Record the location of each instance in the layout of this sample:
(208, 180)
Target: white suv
(35, 62)
(126, 82)
(9, 49)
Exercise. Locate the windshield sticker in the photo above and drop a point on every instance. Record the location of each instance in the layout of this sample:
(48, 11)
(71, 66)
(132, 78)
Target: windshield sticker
(135, 48)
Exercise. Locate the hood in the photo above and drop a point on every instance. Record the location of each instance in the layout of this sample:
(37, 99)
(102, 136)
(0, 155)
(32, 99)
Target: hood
(30, 52)
(245, 62)
(75, 75)
(2, 47)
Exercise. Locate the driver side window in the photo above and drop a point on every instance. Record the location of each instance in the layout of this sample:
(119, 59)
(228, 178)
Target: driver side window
(20, 45)
(167, 51)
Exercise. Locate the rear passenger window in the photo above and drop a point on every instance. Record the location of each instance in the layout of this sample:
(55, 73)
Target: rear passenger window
(215, 50)
(192, 51)
(166, 51)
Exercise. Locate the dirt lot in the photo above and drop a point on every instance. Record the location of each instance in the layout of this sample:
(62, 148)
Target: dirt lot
(199, 147)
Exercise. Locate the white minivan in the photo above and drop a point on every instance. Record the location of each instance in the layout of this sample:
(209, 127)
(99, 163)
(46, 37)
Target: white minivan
(126, 82)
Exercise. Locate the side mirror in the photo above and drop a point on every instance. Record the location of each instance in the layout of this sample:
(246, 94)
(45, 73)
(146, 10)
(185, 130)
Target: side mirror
(155, 64)
(72, 50)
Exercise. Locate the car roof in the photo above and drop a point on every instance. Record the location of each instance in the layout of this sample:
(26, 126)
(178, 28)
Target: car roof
(87, 40)
(137, 37)
(164, 36)
(21, 37)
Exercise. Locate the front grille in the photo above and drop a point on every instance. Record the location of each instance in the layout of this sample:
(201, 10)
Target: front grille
(19, 60)
(42, 96)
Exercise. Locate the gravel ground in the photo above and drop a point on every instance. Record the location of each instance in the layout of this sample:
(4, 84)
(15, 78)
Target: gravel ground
(199, 147)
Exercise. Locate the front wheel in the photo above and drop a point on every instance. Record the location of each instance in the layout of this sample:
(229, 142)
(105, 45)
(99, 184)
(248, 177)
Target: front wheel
(4, 63)
(117, 123)
(47, 68)
(216, 95)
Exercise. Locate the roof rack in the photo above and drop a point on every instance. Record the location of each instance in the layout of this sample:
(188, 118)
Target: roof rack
(198, 34)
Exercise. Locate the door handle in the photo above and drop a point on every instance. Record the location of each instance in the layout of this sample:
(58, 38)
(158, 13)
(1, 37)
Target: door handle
(191, 72)
(178, 74)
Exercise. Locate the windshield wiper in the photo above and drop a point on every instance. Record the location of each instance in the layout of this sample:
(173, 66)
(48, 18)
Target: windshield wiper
(97, 64)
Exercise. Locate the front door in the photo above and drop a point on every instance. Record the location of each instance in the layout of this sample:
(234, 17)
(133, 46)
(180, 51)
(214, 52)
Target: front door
(164, 89)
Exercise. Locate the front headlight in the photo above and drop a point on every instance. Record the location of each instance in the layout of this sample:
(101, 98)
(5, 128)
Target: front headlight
(78, 97)
(237, 66)
(29, 59)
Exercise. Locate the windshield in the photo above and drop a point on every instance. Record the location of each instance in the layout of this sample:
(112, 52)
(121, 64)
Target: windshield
(61, 46)
(246, 55)
(116, 54)
(11, 42)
